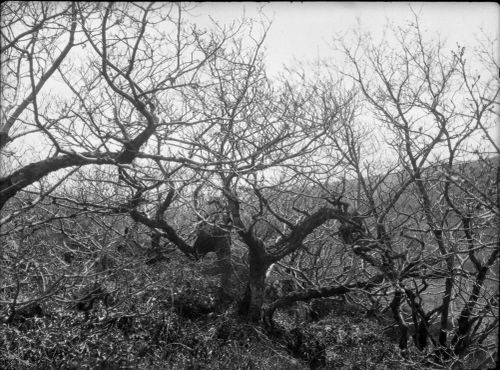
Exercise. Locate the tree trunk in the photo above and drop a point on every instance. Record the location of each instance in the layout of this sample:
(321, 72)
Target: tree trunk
(224, 264)
(253, 300)
(398, 317)
(254, 297)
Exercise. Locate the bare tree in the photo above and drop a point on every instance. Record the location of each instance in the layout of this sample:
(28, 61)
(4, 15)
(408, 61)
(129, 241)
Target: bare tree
(422, 178)
(378, 180)
(123, 75)
(434, 114)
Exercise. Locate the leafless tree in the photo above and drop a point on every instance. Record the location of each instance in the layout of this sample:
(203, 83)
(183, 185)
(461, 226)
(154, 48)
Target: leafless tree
(421, 163)
(389, 162)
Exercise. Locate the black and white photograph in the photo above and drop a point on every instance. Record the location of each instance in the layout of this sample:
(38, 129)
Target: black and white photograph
(249, 185)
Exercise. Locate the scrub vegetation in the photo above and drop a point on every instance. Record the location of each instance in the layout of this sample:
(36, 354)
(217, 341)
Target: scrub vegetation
(166, 204)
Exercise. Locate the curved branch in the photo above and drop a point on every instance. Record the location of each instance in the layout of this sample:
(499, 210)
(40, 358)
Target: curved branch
(322, 292)
(11, 184)
(294, 240)
(171, 234)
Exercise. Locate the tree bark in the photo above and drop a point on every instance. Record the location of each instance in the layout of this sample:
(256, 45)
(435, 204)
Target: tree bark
(253, 300)
(403, 327)
(223, 253)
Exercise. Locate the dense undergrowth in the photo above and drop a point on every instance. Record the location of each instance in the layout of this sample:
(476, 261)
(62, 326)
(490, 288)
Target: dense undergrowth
(167, 315)
(177, 322)
(169, 336)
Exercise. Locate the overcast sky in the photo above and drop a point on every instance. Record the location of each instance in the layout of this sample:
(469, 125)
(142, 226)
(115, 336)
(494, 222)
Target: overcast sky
(302, 30)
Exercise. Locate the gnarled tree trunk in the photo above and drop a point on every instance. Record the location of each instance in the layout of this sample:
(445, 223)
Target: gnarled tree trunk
(253, 300)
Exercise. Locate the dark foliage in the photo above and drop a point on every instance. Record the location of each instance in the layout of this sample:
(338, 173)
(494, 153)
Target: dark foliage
(306, 346)
(211, 239)
(193, 304)
(320, 308)
(21, 315)
(90, 295)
